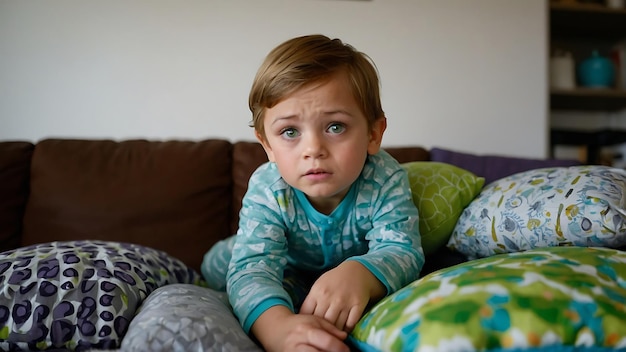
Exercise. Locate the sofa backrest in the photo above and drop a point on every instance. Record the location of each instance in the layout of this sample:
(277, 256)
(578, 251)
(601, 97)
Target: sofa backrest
(177, 196)
(493, 167)
(170, 195)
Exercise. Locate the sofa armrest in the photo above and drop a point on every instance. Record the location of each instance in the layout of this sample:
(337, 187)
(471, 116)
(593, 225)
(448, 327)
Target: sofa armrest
(14, 188)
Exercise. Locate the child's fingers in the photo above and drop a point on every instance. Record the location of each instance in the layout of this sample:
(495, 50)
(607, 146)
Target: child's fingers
(353, 318)
(308, 306)
(341, 319)
(328, 338)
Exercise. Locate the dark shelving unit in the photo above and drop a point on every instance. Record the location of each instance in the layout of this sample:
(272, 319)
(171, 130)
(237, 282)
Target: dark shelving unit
(580, 28)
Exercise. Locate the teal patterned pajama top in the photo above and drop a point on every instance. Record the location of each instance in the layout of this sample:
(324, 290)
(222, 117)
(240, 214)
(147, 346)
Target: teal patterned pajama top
(376, 224)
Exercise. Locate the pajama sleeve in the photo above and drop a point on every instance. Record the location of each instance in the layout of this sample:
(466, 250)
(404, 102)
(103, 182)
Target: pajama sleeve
(395, 254)
(255, 273)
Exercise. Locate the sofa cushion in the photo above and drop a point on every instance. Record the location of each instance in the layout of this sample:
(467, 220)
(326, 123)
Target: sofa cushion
(78, 295)
(14, 183)
(173, 195)
(548, 299)
(563, 206)
(494, 167)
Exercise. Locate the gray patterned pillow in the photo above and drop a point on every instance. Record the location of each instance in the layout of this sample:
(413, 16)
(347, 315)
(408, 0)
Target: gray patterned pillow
(184, 317)
(79, 295)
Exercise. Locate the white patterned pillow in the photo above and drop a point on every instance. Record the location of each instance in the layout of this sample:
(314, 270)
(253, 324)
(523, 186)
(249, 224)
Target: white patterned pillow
(563, 206)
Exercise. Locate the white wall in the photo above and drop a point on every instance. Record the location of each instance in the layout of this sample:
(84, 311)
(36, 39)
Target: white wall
(466, 75)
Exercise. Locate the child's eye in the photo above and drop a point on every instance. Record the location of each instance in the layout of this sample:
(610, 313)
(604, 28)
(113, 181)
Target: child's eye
(289, 133)
(336, 128)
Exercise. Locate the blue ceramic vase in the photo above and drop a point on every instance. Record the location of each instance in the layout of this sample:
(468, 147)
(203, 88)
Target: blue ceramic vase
(596, 72)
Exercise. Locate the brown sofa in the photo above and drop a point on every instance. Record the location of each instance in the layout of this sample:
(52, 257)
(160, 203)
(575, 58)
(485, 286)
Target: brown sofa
(176, 196)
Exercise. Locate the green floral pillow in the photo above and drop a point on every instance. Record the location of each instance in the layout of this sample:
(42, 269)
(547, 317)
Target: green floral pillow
(563, 206)
(548, 299)
(440, 191)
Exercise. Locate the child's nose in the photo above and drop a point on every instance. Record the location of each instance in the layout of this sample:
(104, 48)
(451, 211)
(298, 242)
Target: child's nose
(315, 147)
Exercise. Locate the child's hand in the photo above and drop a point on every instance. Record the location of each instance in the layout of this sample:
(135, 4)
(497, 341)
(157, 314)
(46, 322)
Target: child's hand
(278, 330)
(340, 295)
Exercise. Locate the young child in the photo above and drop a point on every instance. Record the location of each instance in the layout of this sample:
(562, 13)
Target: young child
(328, 225)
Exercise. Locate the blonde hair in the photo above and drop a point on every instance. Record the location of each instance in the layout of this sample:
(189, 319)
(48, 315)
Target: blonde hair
(308, 59)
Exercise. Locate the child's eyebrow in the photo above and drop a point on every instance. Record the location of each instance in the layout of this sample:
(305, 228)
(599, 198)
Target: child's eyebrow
(283, 118)
(291, 117)
(338, 112)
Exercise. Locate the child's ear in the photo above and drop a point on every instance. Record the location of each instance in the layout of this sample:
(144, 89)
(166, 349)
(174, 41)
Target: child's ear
(376, 135)
(266, 145)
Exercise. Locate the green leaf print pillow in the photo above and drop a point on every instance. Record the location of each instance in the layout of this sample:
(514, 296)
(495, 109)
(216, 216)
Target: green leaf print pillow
(440, 192)
(545, 299)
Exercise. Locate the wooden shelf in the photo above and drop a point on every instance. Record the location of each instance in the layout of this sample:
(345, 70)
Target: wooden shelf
(596, 138)
(587, 20)
(583, 8)
(588, 99)
(592, 140)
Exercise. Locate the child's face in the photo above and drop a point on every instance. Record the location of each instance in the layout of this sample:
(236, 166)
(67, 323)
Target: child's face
(319, 139)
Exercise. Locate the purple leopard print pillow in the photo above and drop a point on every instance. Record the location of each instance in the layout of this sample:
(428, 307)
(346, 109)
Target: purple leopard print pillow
(79, 295)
